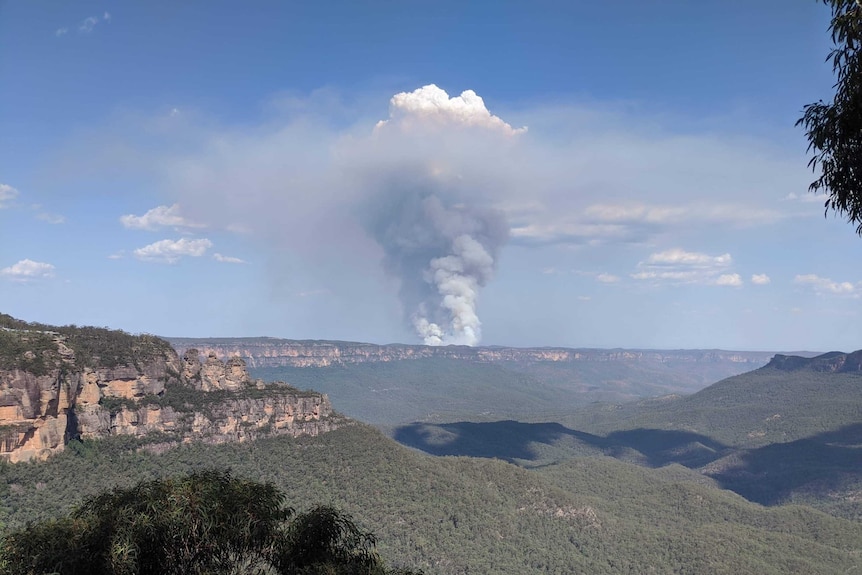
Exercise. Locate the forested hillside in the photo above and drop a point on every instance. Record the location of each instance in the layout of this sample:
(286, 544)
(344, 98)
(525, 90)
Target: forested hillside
(465, 515)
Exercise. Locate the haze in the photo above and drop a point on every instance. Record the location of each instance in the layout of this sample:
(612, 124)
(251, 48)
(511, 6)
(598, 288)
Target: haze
(554, 173)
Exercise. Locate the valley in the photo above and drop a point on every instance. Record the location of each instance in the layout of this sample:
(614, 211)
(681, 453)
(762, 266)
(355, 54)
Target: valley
(636, 464)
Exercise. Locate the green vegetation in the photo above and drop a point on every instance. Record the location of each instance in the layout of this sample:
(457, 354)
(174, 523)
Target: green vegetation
(834, 130)
(204, 523)
(184, 399)
(605, 488)
(755, 409)
(453, 515)
(93, 346)
(35, 352)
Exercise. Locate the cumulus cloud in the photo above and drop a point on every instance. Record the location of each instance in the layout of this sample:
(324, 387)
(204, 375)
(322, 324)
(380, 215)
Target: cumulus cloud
(227, 259)
(170, 251)
(733, 280)
(158, 218)
(827, 286)
(431, 106)
(760, 279)
(677, 266)
(27, 270)
(607, 278)
(7, 194)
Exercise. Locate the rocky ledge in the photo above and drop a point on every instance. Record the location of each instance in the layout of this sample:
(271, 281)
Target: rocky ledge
(55, 387)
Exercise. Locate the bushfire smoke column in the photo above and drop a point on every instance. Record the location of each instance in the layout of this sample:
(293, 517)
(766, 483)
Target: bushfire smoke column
(432, 215)
(442, 255)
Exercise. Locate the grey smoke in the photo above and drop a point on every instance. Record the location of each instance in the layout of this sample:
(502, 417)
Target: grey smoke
(442, 252)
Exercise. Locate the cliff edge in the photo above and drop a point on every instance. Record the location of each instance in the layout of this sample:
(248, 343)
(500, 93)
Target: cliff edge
(64, 383)
(832, 362)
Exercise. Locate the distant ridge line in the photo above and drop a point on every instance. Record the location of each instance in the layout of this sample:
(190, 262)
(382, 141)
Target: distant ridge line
(830, 362)
(270, 352)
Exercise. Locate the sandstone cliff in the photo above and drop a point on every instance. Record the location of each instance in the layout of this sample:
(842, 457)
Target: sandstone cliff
(832, 362)
(271, 352)
(92, 383)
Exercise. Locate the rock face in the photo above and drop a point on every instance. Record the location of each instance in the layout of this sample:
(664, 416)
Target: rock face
(270, 352)
(41, 409)
(213, 374)
(233, 419)
(832, 362)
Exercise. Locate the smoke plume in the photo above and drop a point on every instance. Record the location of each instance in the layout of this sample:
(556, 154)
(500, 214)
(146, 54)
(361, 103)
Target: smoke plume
(442, 253)
(432, 219)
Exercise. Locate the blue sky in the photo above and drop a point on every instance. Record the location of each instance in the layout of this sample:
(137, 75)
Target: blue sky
(361, 171)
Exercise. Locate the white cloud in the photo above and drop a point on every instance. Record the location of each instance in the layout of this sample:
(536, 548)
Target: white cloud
(26, 270)
(158, 218)
(631, 213)
(7, 194)
(431, 106)
(50, 218)
(584, 298)
(760, 279)
(227, 259)
(61, 32)
(827, 286)
(88, 24)
(806, 198)
(677, 266)
(170, 251)
(106, 17)
(677, 256)
(733, 280)
(607, 278)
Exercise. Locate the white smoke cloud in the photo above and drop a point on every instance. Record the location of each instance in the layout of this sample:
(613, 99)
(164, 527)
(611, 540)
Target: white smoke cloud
(457, 278)
(440, 235)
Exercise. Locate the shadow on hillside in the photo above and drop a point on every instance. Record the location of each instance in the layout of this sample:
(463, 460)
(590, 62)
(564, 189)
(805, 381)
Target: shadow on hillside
(819, 465)
(662, 447)
(507, 440)
(516, 442)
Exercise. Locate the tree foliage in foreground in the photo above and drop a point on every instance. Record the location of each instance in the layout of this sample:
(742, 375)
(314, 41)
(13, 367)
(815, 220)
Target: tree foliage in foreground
(204, 523)
(834, 130)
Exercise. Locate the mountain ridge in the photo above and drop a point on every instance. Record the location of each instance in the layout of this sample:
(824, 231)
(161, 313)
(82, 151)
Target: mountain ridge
(276, 352)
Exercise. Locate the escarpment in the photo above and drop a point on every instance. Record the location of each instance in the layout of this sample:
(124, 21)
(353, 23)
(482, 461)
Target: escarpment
(272, 352)
(58, 384)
